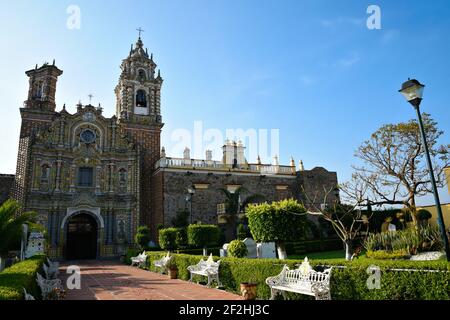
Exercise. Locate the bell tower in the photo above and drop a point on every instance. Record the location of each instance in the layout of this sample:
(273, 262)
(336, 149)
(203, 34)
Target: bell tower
(138, 93)
(42, 88)
(138, 108)
(37, 114)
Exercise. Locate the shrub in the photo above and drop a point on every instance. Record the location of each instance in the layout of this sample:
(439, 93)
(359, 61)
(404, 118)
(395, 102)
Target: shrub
(280, 222)
(423, 215)
(241, 232)
(411, 240)
(21, 275)
(168, 238)
(181, 238)
(237, 249)
(142, 237)
(349, 283)
(181, 219)
(382, 254)
(202, 235)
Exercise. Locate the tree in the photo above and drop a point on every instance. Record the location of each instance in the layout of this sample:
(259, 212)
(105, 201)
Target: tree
(11, 227)
(142, 237)
(347, 219)
(181, 220)
(235, 205)
(393, 166)
(168, 238)
(279, 221)
(202, 235)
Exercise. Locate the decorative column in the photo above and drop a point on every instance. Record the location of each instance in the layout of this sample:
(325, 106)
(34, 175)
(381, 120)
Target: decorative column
(61, 133)
(111, 177)
(113, 135)
(73, 168)
(58, 175)
(36, 174)
(98, 173)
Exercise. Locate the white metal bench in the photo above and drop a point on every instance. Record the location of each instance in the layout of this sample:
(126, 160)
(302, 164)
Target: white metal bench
(303, 280)
(47, 286)
(207, 268)
(50, 271)
(27, 296)
(163, 263)
(140, 260)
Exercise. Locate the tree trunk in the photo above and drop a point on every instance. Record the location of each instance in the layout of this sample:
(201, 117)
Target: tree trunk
(281, 248)
(2, 263)
(348, 249)
(205, 252)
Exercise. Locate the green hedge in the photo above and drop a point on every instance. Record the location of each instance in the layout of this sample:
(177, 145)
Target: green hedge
(167, 238)
(347, 283)
(202, 235)
(21, 275)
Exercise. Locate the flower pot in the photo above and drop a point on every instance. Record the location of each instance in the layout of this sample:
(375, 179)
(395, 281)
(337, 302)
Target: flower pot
(248, 290)
(222, 218)
(173, 273)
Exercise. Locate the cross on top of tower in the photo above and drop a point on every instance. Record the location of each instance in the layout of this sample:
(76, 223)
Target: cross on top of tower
(90, 97)
(140, 30)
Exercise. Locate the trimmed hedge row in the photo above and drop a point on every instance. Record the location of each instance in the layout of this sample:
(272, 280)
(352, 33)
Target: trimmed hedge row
(21, 275)
(348, 283)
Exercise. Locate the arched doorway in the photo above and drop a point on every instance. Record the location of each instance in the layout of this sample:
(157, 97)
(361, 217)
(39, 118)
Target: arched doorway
(81, 237)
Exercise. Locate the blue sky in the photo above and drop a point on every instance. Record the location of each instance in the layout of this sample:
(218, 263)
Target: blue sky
(309, 68)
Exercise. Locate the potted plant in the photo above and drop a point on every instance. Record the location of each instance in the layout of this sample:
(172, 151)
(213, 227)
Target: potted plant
(172, 270)
(248, 290)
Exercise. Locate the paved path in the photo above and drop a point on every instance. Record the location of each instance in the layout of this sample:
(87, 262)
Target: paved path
(112, 280)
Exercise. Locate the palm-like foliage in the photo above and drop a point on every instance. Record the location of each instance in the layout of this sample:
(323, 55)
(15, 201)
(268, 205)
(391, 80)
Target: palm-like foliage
(11, 224)
(232, 201)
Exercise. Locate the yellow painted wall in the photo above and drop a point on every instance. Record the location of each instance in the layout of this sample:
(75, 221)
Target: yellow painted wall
(445, 212)
(447, 174)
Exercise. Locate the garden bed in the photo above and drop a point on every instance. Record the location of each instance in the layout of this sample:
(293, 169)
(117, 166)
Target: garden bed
(399, 279)
(21, 275)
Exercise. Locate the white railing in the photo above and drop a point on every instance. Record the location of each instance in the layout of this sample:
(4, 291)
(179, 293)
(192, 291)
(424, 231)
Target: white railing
(264, 169)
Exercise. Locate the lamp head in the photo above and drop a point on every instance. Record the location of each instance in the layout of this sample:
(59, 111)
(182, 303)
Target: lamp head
(412, 90)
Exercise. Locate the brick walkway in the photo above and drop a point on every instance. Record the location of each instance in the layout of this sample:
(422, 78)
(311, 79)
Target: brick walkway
(112, 280)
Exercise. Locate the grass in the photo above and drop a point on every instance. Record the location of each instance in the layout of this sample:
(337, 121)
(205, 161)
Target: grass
(326, 255)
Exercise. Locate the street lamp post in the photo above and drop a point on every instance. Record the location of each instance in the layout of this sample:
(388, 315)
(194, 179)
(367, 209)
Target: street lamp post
(191, 192)
(412, 90)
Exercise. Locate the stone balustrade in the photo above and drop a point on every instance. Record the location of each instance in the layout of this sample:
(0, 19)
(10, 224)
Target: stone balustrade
(213, 165)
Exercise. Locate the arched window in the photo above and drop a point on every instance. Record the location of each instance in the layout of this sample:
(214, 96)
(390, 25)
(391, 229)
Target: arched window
(37, 90)
(141, 99)
(45, 173)
(122, 176)
(141, 75)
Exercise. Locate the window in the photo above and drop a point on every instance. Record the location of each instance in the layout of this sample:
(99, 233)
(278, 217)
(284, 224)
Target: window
(141, 99)
(141, 75)
(37, 90)
(122, 176)
(85, 177)
(45, 173)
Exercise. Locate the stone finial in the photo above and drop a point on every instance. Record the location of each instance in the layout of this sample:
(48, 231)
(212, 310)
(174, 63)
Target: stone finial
(292, 162)
(208, 155)
(301, 166)
(258, 160)
(276, 162)
(163, 152)
(187, 153)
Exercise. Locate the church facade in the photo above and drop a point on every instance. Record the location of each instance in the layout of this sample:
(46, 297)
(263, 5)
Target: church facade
(94, 179)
